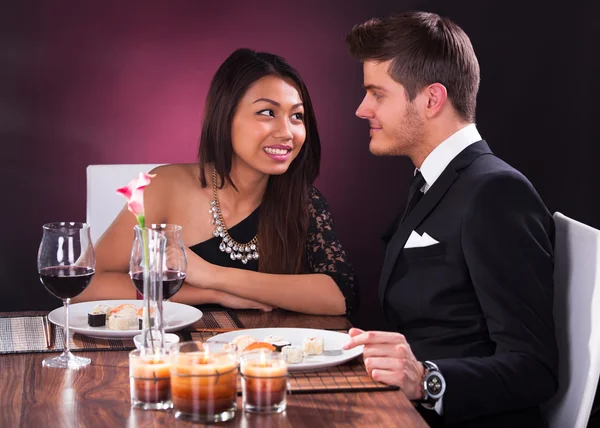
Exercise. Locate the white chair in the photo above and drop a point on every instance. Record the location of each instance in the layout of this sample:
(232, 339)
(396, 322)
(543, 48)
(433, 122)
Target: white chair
(577, 318)
(103, 202)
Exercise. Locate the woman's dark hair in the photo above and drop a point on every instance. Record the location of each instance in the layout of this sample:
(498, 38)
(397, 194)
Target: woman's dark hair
(283, 222)
(424, 48)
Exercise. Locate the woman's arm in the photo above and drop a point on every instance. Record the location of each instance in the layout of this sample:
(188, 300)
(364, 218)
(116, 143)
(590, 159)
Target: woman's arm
(307, 293)
(195, 296)
(113, 249)
(328, 292)
(111, 280)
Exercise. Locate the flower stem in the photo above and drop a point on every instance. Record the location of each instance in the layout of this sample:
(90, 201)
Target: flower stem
(146, 279)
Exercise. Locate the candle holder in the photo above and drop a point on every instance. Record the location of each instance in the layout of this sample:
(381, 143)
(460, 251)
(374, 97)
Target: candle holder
(264, 381)
(204, 381)
(149, 380)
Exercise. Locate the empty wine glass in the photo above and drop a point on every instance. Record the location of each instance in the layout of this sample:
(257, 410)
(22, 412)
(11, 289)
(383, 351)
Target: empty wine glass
(174, 262)
(66, 264)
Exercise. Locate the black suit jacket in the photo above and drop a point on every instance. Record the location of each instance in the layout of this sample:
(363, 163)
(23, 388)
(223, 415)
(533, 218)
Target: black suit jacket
(479, 302)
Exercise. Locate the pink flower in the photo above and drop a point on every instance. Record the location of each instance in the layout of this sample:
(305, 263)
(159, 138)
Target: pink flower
(134, 193)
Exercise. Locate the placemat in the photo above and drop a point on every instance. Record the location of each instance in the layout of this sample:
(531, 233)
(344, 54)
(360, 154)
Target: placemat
(217, 320)
(23, 334)
(348, 377)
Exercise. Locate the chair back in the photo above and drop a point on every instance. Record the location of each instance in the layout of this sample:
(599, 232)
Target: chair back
(577, 319)
(103, 202)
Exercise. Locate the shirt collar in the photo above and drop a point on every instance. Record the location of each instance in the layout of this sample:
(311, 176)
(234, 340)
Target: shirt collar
(437, 161)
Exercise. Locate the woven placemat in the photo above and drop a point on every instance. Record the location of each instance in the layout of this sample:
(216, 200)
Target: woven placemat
(217, 321)
(348, 377)
(24, 334)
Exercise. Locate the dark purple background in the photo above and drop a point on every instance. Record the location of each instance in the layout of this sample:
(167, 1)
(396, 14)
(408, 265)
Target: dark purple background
(125, 82)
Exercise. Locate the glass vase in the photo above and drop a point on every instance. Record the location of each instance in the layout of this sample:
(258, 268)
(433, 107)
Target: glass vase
(147, 256)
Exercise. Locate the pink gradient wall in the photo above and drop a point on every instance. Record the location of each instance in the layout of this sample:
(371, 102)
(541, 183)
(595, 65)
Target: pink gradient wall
(124, 82)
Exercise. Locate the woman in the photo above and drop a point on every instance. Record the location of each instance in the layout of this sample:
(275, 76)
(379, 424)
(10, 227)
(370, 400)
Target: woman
(259, 155)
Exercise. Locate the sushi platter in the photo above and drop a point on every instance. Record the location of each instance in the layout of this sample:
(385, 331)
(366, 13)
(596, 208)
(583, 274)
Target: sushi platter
(305, 349)
(84, 317)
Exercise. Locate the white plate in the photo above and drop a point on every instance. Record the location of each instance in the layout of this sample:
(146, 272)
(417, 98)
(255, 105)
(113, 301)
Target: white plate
(332, 356)
(176, 317)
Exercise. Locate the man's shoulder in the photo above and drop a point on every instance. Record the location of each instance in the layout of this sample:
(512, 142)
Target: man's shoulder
(492, 170)
(493, 182)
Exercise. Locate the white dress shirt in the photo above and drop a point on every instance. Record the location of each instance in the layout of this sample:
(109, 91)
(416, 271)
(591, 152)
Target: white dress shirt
(437, 161)
(433, 166)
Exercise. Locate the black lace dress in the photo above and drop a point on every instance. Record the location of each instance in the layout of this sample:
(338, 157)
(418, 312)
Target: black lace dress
(324, 253)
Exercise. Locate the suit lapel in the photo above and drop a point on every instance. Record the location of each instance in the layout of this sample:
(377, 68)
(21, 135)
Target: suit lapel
(427, 203)
(412, 220)
(389, 233)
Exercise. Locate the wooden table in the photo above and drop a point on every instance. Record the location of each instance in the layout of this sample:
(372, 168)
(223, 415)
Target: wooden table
(98, 395)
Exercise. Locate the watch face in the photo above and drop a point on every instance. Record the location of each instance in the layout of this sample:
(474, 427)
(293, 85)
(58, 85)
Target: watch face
(434, 385)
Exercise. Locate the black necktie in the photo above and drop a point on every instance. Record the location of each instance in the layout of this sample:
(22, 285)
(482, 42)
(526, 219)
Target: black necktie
(414, 193)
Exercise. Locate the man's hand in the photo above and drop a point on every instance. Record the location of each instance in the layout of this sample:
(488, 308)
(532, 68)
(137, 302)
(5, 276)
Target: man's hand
(389, 359)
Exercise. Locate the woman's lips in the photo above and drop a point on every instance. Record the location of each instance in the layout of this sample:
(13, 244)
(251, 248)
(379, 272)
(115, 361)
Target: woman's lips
(278, 153)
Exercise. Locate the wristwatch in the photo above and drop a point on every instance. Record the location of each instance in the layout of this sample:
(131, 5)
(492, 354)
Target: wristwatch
(434, 384)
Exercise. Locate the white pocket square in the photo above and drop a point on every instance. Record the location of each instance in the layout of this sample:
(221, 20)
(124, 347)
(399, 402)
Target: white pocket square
(417, 241)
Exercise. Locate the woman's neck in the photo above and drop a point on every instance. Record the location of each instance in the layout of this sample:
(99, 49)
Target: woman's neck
(250, 184)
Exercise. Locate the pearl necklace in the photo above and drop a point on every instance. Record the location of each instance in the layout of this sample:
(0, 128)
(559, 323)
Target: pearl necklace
(236, 250)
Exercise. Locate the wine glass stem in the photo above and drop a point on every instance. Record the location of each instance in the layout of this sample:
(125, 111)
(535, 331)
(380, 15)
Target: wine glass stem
(67, 350)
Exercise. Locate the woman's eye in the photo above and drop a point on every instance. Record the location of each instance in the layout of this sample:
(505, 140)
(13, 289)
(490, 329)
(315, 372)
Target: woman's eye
(298, 116)
(267, 112)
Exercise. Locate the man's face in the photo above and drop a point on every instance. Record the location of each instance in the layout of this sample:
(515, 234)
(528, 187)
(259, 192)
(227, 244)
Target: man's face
(396, 127)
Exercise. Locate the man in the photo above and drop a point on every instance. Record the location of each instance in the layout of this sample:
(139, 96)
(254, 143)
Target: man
(467, 277)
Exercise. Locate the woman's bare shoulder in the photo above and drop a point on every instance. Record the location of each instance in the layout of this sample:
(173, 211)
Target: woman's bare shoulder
(180, 173)
(173, 185)
(175, 179)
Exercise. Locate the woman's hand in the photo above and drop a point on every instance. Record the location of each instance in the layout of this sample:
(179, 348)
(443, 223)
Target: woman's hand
(200, 273)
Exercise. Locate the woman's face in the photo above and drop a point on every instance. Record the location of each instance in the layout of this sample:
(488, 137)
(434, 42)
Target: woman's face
(268, 126)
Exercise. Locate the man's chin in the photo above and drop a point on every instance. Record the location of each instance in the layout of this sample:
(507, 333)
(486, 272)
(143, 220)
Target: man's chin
(378, 149)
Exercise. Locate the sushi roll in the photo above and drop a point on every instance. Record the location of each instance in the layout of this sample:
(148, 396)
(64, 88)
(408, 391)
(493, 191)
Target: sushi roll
(277, 341)
(123, 317)
(141, 323)
(292, 354)
(259, 345)
(272, 338)
(116, 322)
(97, 318)
(313, 345)
(140, 316)
(102, 308)
(241, 342)
(124, 309)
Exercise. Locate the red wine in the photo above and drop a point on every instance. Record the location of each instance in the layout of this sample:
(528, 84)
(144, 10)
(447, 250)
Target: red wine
(66, 282)
(172, 282)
